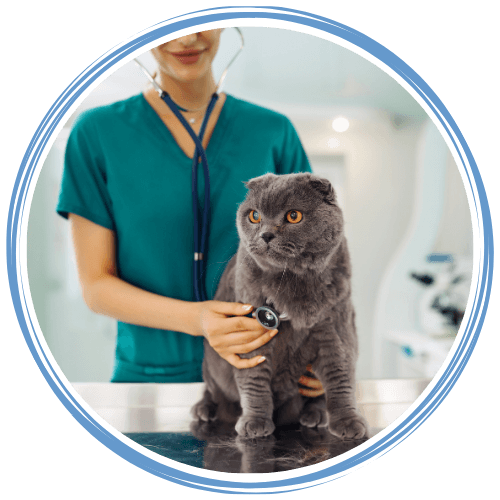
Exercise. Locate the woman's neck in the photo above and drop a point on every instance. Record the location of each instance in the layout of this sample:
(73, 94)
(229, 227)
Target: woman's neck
(189, 95)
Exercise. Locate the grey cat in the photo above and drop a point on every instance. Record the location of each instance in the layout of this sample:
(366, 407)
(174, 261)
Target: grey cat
(293, 256)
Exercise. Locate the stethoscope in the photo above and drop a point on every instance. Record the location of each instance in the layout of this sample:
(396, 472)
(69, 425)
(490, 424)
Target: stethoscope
(266, 315)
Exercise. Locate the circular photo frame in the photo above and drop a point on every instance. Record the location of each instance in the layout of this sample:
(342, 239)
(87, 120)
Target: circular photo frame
(437, 389)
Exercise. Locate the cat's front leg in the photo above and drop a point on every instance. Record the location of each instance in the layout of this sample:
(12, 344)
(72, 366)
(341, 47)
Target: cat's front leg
(256, 400)
(205, 409)
(336, 373)
(314, 413)
(348, 423)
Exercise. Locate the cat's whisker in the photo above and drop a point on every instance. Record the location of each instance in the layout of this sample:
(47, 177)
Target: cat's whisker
(281, 280)
(247, 256)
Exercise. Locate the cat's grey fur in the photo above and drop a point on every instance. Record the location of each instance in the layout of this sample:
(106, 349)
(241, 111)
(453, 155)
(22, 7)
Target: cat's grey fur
(305, 272)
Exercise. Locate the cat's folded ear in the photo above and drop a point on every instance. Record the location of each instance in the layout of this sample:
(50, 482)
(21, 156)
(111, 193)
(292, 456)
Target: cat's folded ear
(260, 182)
(324, 187)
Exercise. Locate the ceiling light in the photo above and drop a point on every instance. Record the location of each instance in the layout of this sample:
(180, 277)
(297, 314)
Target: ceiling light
(340, 124)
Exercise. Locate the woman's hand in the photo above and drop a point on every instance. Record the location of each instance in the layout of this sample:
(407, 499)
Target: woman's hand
(314, 387)
(229, 332)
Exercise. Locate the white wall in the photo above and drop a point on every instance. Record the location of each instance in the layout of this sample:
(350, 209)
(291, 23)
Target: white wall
(81, 342)
(439, 203)
(455, 231)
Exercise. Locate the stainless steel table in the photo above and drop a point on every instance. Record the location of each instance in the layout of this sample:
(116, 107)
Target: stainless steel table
(157, 417)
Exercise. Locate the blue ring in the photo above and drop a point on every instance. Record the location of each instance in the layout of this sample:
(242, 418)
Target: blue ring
(474, 322)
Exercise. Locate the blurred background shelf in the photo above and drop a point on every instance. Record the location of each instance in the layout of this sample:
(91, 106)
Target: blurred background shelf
(418, 354)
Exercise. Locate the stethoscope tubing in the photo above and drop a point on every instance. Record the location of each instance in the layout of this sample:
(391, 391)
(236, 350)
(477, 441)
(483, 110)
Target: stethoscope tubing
(200, 237)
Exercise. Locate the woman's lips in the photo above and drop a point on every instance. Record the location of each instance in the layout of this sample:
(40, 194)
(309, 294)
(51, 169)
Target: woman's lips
(188, 57)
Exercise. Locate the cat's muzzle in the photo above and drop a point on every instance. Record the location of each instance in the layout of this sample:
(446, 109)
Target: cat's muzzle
(268, 317)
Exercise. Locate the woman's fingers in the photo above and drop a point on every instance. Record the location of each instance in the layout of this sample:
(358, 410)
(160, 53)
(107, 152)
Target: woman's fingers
(312, 383)
(230, 332)
(311, 393)
(231, 308)
(313, 387)
(241, 363)
(237, 339)
(241, 324)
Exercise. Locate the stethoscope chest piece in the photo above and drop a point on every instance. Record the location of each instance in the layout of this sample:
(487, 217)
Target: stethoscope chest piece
(268, 317)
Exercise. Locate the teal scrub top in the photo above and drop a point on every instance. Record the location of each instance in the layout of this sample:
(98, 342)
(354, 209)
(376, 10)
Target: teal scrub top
(124, 171)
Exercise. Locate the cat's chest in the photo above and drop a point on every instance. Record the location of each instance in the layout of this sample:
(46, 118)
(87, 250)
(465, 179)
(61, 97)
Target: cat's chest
(265, 293)
(290, 296)
(292, 293)
(292, 352)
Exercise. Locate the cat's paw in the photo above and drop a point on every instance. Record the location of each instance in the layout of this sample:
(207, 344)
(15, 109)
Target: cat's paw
(314, 417)
(253, 427)
(203, 411)
(348, 425)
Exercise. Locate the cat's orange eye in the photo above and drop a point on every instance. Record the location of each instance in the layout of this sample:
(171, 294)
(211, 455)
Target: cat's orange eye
(254, 216)
(294, 216)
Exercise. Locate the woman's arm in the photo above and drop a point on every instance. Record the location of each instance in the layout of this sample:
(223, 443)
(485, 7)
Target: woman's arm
(224, 324)
(105, 293)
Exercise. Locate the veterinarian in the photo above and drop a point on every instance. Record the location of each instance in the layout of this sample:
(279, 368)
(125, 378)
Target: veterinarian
(126, 189)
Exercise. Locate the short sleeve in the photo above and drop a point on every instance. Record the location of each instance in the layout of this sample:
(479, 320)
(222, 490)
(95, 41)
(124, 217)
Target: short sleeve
(293, 157)
(84, 188)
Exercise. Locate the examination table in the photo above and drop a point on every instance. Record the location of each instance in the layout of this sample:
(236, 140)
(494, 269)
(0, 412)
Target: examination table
(157, 417)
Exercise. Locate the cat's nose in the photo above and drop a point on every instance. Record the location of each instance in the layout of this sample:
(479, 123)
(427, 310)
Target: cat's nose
(267, 237)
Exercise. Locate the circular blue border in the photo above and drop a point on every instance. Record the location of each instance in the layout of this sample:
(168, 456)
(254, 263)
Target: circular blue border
(481, 296)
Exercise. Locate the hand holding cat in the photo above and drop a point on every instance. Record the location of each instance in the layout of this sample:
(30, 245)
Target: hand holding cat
(229, 332)
(314, 387)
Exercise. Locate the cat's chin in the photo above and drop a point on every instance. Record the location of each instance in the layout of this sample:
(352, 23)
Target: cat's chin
(269, 260)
